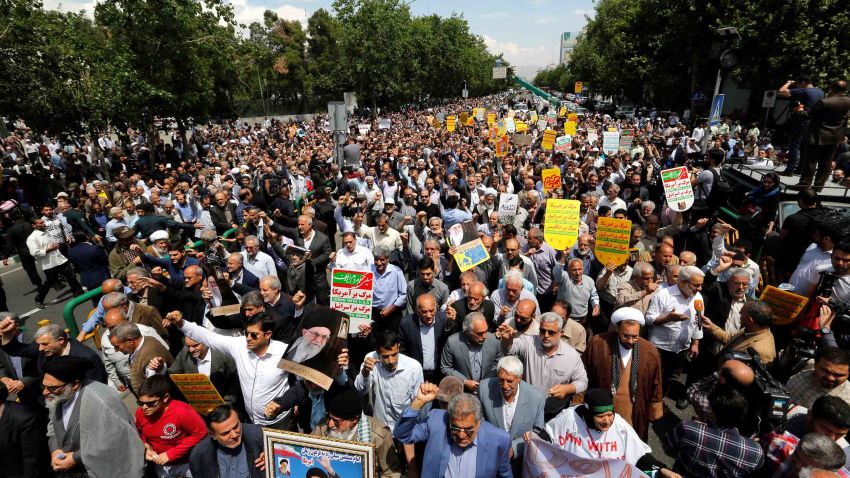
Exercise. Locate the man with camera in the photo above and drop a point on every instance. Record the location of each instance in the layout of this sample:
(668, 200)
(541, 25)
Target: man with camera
(807, 95)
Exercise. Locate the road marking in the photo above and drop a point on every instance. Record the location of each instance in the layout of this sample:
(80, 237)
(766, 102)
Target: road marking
(13, 271)
(27, 314)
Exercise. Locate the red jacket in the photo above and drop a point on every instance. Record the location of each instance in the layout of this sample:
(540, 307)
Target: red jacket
(175, 430)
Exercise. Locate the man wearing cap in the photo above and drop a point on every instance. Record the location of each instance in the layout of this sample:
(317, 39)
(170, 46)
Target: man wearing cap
(396, 219)
(345, 420)
(630, 367)
(458, 443)
(87, 424)
(54, 264)
(122, 258)
(594, 430)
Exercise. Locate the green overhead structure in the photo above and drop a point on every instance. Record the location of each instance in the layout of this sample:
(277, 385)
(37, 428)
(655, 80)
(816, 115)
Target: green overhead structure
(537, 91)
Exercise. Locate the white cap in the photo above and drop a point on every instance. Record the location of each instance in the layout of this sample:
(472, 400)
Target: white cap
(159, 235)
(627, 313)
(490, 192)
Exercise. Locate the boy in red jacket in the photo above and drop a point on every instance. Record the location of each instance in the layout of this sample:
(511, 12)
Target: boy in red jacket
(169, 428)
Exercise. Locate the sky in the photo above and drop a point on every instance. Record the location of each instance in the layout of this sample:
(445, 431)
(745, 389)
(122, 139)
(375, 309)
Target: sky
(527, 32)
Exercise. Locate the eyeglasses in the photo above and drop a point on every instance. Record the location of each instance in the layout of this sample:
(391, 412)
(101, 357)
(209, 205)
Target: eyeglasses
(466, 431)
(316, 335)
(522, 318)
(150, 404)
(548, 332)
(337, 421)
(253, 335)
(54, 388)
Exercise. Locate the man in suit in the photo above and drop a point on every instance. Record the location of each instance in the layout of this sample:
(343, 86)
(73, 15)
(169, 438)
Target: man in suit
(87, 424)
(126, 337)
(223, 213)
(135, 313)
(457, 442)
(118, 363)
(471, 354)
(317, 257)
(512, 405)
(423, 334)
(239, 274)
(51, 342)
(188, 299)
(827, 128)
(231, 439)
(22, 440)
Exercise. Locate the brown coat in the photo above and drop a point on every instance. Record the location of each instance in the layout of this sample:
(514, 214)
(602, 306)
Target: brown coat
(648, 405)
(762, 342)
(140, 359)
(147, 315)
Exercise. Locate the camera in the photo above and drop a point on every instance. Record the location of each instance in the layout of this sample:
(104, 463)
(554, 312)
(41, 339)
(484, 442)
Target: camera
(769, 401)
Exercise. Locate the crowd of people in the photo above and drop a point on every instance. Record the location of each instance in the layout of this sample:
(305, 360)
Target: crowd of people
(213, 253)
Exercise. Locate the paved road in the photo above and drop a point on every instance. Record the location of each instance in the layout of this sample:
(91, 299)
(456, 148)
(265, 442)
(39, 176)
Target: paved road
(21, 299)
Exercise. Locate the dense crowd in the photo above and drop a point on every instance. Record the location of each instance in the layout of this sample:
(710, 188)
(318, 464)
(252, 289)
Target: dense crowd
(213, 252)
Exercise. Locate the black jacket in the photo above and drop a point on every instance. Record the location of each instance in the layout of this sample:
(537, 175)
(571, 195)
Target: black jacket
(410, 341)
(203, 461)
(24, 443)
(96, 370)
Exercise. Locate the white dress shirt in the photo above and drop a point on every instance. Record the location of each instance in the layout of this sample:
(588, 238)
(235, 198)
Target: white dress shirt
(259, 377)
(37, 243)
(509, 409)
(392, 392)
(359, 260)
(261, 265)
(673, 336)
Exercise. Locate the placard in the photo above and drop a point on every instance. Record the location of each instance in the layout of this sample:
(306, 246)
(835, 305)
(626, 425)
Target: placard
(291, 454)
(510, 125)
(612, 240)
(533, 118)
(592, 135)
(626, 138)
(786, 306)
(562, 144)
(578, 87)
(570, 128)
(562, 111)
(508, 205)
(548, 140)
(677, 188)
(561, 223)
(551, 179)
(521, 126)
(611, 142)
(384, 123)
(364, 128)
(351, 294)
(479, 114)
(464, 116)
(471, 254)
(552, 116)
(501, 128)
(572, 117)
(198, 390)
(541, 124)
(502, 145)
(522, 139)
(451, 123)
(491, 118)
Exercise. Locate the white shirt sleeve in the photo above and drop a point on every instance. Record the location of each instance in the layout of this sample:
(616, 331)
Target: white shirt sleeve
(222, 343)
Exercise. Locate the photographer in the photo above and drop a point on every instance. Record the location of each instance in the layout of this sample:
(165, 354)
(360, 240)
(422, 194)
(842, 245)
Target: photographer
(837, 272)
(829, 416)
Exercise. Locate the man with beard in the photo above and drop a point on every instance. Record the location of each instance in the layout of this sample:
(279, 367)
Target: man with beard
(471, 354)
(551, 365)
(345, 420)
(639, 290)
(422, 336)
(475, 301)
(524, 321)
(87, 424)
(54, 264)
(426, 283)
(629, 366)
(829, 377)
(583, 251)
(505, 299)
(159, 245)
(389, 378)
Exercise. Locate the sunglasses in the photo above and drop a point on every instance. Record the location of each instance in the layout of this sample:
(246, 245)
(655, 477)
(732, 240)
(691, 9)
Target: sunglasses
(150, 404)
(548, 332)
(466, 431)
(253, 335)
(54, 388)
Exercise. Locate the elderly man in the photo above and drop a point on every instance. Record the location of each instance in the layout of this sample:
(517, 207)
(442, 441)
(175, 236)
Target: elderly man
(583, 251)
(475, 301)
(352, 256)
(505, 299)
(51, 342)
(639, 290)
(232, 447)
(422, 336)
(551, 365)
(87, 424)
(611, 199)
(674, 326)
(457, 443)
(630, 366)
(544, 259)
(126, 338)
(238, 274)
(117, 362)
(317, 258)
(829, 377)
(256, 261)
(471, 354)
(756, 319)
(579, 290)
(512, 405)
(381, 235)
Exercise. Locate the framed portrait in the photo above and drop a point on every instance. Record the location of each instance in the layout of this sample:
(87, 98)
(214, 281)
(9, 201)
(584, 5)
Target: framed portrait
(295, 455)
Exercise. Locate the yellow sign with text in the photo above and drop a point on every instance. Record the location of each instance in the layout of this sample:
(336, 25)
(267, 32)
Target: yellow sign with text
(521, 127)
(548, 140)
(491, 118)
(551, 179)
(560, 226)
(570, 128)
(612, 240)
(198, 390)
(578, 87)
(451, 123)
(786, 306)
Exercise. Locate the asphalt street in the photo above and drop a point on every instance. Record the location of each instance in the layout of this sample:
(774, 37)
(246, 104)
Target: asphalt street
(21, 298)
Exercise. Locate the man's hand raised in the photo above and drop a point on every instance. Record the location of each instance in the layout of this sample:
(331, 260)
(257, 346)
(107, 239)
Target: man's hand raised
(427, 393)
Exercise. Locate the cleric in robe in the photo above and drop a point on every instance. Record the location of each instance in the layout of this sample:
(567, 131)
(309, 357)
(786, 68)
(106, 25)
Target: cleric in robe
(593, 430)
(630, 368)
(314, 355)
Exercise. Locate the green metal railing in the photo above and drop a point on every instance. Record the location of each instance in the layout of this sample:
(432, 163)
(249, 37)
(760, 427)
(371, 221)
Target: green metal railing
(68, 311)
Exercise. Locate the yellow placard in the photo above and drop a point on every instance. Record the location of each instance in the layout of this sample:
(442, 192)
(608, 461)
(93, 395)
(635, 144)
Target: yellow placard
(570, 128)
(560, 226)
(502, 128)
(198, 390)
(612, 240)
(471, 254)
(548, 140)
(491, 118)
(786, 306)
(463, 117)
(451, 123)
(470, 122)
(572, 117)
(521, 127)
(533, 118)
(578, 87)
(562, 112)
(436, 123)
(502, 144)
(551, 179)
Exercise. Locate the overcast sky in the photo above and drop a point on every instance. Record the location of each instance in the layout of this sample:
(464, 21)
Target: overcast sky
(526, 31)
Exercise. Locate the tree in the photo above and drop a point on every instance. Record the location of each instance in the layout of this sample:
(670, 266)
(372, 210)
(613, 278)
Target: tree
(323, 53)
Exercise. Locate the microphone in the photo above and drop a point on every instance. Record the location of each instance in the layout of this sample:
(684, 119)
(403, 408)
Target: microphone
(699, 307)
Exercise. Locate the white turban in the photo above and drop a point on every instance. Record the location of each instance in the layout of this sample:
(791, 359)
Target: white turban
(627, 313)
(159, 235)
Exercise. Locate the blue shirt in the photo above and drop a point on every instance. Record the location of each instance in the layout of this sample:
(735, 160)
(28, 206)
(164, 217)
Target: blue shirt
(231, 463)
(462, 461)
(97, 316)
(389, 288)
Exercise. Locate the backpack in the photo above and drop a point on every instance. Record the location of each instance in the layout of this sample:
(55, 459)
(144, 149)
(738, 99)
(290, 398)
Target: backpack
(721, 191)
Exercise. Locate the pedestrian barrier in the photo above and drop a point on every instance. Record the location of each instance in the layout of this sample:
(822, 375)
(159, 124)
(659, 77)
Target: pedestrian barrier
(68, 311)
